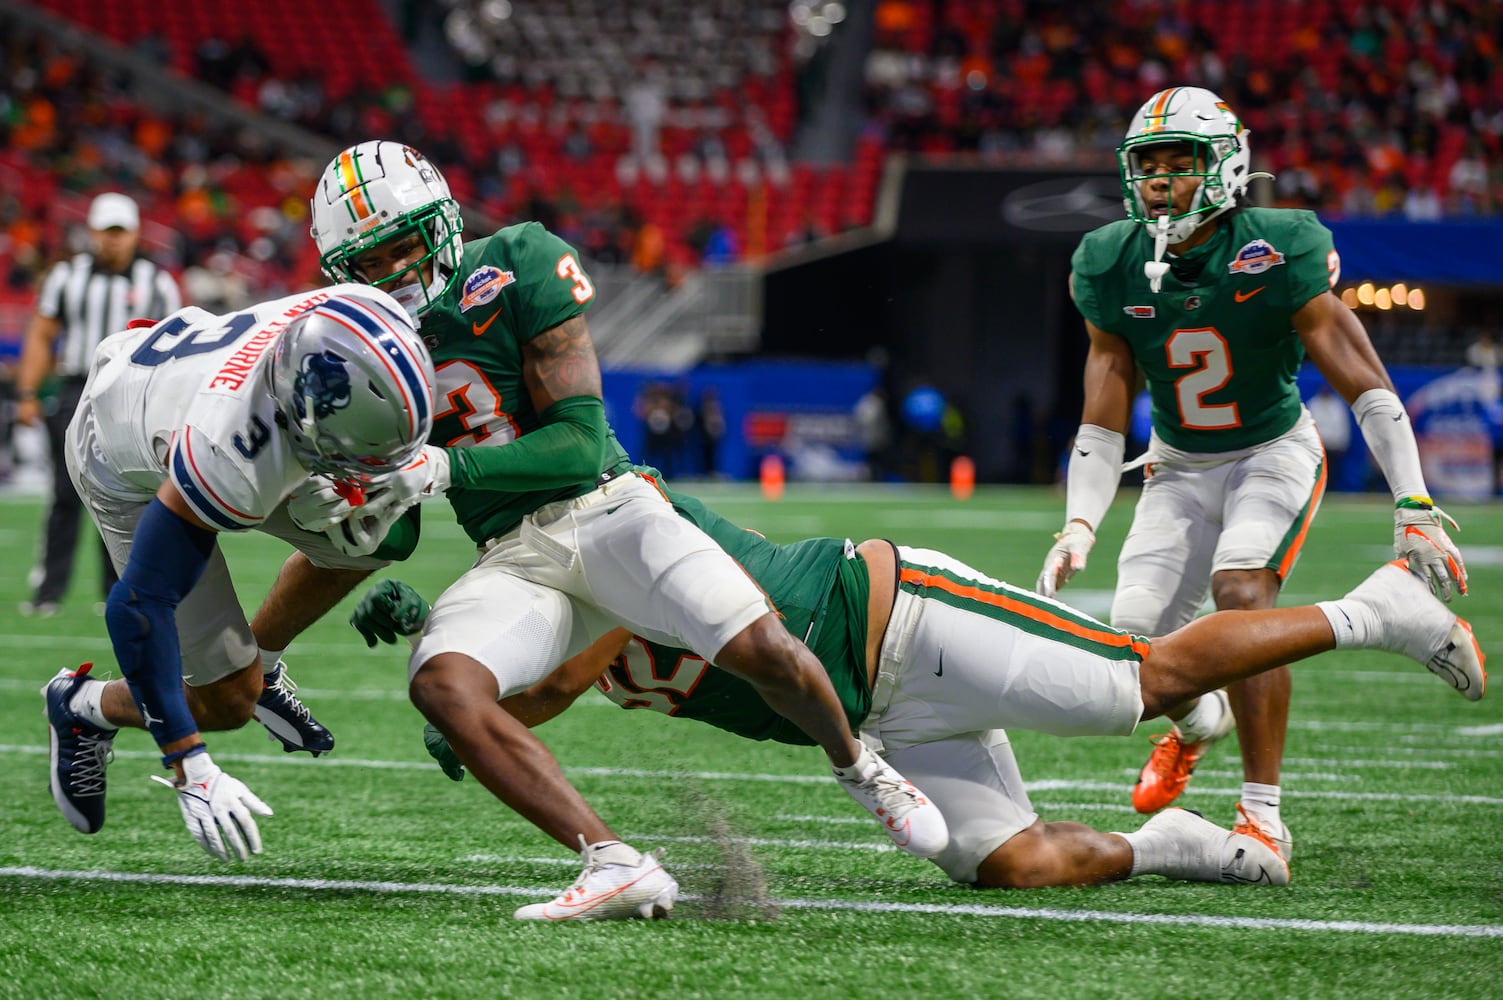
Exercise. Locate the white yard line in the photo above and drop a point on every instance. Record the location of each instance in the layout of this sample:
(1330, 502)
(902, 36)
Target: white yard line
(828, 905)
(1044, 785)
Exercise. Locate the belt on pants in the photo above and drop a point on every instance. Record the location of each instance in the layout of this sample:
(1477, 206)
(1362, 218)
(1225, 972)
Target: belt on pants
(601, 481)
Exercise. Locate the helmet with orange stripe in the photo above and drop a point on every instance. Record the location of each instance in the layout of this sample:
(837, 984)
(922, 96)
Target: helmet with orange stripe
(383, 216)
(1188, 137)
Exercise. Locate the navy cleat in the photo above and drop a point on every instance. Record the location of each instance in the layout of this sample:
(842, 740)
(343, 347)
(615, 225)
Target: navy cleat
(287, 720)
(79, 752)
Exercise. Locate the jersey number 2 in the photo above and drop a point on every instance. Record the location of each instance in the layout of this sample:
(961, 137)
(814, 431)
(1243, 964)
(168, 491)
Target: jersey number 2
(1204, 350)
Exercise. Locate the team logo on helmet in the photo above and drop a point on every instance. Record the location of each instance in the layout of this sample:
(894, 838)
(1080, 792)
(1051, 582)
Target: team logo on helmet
(322, 380)
(1255, 258)
(483, 285)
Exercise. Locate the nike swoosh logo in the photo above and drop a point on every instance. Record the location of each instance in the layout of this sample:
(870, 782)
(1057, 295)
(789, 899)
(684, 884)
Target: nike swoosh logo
(480, 328)
(613, 510)
(1082, 452)
(940, 671)
(1241, 296)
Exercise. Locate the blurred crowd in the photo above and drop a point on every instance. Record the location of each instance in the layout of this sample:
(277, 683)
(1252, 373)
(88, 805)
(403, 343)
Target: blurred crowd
(656, 157)
(1371, 108)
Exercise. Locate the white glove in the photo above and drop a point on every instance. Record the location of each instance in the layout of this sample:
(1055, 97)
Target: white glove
(424, 477)
(320, 503)
(363, 531)
(1419, 538)
(218, 809)
(1066, 558)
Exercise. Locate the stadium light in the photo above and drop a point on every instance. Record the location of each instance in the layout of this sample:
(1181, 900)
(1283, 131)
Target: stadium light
(1365, 293)
(1383, 299)
(1400, 294)
(1417, 299)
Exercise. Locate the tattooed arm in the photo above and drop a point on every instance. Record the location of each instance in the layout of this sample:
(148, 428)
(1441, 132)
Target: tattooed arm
(563, 379)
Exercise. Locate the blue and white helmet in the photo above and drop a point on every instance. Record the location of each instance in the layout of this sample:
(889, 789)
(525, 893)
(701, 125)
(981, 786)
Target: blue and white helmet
(354, 385)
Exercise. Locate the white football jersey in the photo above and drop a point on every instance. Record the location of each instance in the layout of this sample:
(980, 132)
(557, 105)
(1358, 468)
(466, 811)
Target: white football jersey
(190, 399)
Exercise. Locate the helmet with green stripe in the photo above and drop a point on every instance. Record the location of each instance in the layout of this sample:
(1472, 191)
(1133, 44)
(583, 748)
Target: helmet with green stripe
(384, 194)
(1214, 137)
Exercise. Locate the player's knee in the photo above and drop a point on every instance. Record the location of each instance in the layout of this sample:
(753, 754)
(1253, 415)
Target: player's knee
(440, 686)
(1023, 862)
(1237, 590)
(1138, 609)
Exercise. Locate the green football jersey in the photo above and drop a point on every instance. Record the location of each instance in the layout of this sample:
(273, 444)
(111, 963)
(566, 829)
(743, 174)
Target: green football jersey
(513, 285)
(1217, 343)
(820, 589)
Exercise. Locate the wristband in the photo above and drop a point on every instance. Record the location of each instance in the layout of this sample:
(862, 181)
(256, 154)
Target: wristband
(177, 756)
(1415, 502)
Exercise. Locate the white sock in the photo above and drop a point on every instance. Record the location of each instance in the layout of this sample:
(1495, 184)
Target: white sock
(860, 768)
(1202, 720)
(1261, 801)
(88, 701)
(1150, 854)
(1354, 623)
(270, 658)
(616, 853)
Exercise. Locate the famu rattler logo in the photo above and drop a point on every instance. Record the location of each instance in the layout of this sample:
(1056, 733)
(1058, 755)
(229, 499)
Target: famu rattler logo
(323, 382)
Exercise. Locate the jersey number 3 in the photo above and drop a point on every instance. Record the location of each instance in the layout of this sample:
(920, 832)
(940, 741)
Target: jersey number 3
(1205, 352)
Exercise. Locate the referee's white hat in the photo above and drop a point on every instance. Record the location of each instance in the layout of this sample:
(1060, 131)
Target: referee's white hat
(114, 211)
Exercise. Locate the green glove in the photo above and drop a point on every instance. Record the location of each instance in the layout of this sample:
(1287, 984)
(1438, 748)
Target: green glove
(439, 750)
(389, 609)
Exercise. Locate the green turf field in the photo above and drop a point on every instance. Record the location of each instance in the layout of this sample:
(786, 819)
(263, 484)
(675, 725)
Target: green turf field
(382, 878)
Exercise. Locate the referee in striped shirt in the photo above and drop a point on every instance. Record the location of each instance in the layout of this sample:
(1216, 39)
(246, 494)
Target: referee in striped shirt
(84, 299)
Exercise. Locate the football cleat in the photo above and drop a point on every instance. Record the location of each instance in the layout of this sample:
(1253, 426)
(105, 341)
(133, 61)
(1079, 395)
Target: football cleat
(1417, 625)
(1197, 850)
(287, 720)
(912, 822)
(618, 883)
(1275, 835)
(79, 752)
(1172, 761)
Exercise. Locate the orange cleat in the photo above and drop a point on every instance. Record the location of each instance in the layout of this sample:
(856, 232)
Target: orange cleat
(1173, 760)
(1278, 838)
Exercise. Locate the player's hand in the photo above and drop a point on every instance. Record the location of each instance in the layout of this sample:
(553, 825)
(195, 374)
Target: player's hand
(219, 810)
(320, 503)
(1066, 558)
(1419, 538)
(29, 412)
(364, 530)
(389, 609)
(424, 477)
(439, 750)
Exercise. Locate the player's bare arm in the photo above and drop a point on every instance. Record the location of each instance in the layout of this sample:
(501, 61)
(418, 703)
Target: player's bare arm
(35, 364)
(1095, 461)
(560, 689)
(560, 364)
(1110, 372)
(1339, 346)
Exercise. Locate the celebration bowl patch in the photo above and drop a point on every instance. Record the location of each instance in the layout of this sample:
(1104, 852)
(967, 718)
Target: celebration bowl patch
(483, 285)
(1255, 258)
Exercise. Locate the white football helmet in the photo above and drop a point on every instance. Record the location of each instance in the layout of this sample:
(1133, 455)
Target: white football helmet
(354, 386)
(379, 191)
(1197, 118)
